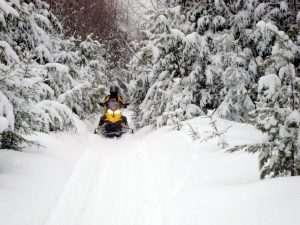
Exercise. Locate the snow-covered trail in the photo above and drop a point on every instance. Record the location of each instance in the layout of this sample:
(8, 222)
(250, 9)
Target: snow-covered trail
(159, 177)
(111, 184)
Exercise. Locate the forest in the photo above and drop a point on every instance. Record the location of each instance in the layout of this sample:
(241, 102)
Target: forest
(175, 61)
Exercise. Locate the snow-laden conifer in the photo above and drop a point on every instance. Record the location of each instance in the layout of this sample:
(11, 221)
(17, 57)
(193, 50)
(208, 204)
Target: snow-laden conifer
(236, 80)
(169, 98)
(42, 75)
(277, 113)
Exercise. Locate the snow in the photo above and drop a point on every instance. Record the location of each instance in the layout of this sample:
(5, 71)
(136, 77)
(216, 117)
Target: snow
(55, 115)
(294, 117)
(43, 21)
(176, 10)
(260, 10)
(7, 9)
(10, 55)
(219, 21)
(31, 181)
(271, 82)
(159, 177)
(3, 124)
(2, 20)
(287, 71)
(57, 67)
(155, 53)
(284, 6)
(7, 118)
(43, 53)
(204, 20)
(191, 38)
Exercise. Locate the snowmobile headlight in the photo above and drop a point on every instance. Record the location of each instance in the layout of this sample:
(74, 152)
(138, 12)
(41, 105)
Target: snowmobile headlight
(110, 111)
(117, 111)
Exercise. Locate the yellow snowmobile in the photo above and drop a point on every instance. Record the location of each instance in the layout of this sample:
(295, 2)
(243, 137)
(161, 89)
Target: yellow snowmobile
(114, 124)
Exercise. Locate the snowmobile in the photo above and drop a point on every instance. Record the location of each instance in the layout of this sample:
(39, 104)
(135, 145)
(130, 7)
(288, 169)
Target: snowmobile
(114, 124)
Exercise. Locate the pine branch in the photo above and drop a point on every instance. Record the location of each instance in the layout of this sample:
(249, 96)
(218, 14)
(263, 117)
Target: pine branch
(132, 51)
(217, 133)
(11, 140)
(250, 148)
(193, 133)
(177, 125)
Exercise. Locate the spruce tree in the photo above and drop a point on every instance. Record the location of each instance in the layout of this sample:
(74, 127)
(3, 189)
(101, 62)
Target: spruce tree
(45, 78)
(277, 113)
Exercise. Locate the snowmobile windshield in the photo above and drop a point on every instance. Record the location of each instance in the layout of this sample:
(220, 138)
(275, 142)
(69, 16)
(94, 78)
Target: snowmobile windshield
(113, 104)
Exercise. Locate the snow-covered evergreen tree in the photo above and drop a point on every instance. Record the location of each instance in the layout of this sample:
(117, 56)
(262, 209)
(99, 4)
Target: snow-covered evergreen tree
(239, 57)
(216, 50)
(42, 75)
(277, 117)
(169, 98)
(195, 57)
(278, 105)
(236, 80)
(278, 112)
(89, 67)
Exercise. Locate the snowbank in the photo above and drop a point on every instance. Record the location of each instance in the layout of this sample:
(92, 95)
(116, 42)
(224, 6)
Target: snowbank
(31, 181)
(159, 177)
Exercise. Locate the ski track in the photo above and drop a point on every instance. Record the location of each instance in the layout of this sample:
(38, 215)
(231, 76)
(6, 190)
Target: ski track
(111, 184)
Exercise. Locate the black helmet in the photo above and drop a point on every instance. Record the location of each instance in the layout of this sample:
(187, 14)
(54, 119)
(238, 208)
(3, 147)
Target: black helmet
(114, 90)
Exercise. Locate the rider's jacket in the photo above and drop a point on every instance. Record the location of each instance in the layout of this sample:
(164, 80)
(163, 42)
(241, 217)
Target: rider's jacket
(118, 98)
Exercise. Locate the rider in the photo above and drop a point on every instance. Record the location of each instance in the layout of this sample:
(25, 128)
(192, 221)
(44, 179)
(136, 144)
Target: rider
(114, 94)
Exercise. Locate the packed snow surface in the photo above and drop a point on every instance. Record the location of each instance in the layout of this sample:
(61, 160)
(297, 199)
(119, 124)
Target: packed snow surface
(158, 177)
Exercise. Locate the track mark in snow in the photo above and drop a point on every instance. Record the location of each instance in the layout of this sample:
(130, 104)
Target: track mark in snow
(149, 206)
(76, 190)
(113, 186)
